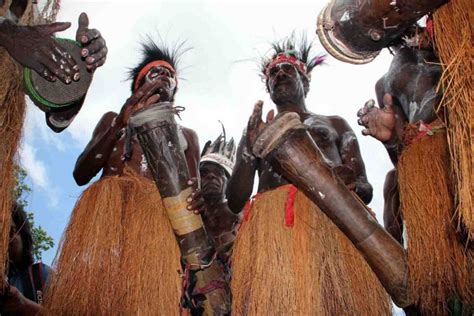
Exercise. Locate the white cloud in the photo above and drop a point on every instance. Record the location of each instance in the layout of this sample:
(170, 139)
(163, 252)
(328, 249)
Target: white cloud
(35, 128)
(38, 173)
(35, 168)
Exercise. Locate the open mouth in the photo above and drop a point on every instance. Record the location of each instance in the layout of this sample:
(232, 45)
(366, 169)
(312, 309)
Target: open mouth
(161, 85)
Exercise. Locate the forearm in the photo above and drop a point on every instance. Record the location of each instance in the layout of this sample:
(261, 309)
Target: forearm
(240, 185)
(394, 145)
(96, 154)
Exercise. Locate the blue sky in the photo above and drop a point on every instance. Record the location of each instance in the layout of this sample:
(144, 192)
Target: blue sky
(220, 82)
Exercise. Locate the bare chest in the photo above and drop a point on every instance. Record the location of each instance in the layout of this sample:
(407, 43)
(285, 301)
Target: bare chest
(326, 138)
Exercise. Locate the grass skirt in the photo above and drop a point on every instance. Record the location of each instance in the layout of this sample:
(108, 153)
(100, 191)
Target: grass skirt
(118, 254)
(12, 114)
(453, 41)
(440, 264)
(308, 269)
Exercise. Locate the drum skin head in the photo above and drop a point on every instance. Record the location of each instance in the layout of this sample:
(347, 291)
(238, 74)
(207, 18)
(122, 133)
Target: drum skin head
(57, 94)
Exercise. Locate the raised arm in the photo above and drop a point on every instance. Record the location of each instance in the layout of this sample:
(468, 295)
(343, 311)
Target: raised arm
(352, 159)
(240, 185)
(98, 150)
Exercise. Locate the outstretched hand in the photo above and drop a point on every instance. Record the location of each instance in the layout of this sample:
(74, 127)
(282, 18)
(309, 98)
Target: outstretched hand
(35, 48)
(256, 125)
(94, 48)
(378, 122)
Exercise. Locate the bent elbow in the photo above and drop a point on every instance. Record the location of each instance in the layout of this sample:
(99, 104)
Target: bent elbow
(80, 178)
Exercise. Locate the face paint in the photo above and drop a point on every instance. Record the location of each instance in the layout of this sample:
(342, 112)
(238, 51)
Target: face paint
(155, 64)
(160, 72)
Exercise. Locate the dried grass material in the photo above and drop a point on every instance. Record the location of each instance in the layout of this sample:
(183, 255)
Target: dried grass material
(12, 113)
(309, 269)
(453, 40)
(438, 261)
(118, 254)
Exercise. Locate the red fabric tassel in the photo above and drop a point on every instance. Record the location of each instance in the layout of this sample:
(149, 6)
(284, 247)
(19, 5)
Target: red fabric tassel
(430, 27)
(247, 208)
(290, 206)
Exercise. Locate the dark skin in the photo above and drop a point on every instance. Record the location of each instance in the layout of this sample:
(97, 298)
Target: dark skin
(12, 300)
(106, 148)
(35, 48)
(392, 213)
(336, 140)
(211, 203)
(406, 94)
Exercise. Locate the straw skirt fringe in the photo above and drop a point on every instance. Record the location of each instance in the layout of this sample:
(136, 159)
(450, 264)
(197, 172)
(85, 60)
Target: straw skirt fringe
(118, 255)
(308, 269)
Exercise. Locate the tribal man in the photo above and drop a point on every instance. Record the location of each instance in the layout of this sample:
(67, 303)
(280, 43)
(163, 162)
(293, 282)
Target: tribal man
(407, 123)
(289, 258)
(119, 253)
(406, 94)
(217, 163)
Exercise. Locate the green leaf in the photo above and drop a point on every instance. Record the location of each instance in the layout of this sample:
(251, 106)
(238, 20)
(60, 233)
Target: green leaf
(41, 240)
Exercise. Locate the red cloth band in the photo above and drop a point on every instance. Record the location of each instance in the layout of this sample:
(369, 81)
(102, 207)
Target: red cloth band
(147, 68)
(290, 206)
(284, 58)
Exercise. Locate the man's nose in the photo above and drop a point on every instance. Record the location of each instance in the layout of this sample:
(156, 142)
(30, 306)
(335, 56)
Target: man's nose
(164, 72)
(210, 176)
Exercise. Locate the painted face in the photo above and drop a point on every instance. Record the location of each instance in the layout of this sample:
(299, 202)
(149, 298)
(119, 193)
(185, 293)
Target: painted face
(284, 83)
(213, 181)
(165, 79)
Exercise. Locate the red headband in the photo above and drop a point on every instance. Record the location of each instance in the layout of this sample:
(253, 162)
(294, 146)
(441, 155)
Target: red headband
(147, 68)
(284, 58)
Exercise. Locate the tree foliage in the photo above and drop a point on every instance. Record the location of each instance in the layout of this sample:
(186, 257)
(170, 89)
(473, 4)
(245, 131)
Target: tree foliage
(41, 240)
